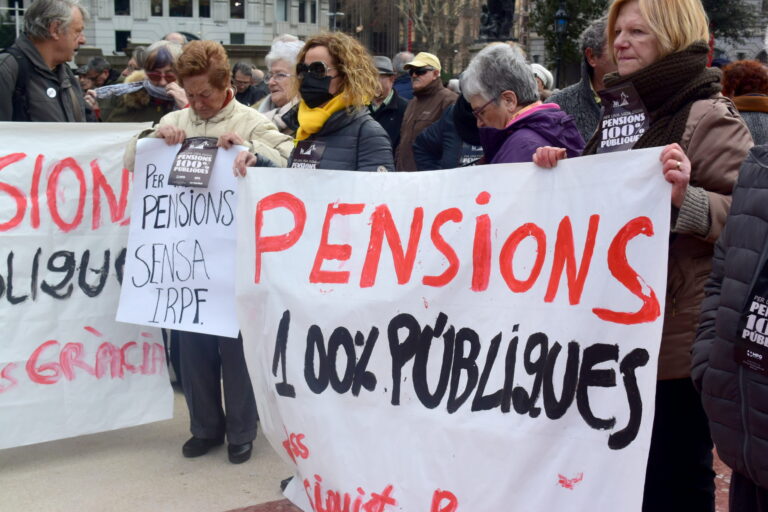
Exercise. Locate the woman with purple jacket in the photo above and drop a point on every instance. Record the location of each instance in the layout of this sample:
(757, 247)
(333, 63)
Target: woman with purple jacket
(513, 123)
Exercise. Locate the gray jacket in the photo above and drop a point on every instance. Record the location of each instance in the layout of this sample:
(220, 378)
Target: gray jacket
(53, 95)
(578, 101)
(735, 398)
(353, 143)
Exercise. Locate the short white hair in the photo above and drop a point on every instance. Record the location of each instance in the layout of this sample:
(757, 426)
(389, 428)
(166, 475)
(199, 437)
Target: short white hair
(498, 68)
(285, 47)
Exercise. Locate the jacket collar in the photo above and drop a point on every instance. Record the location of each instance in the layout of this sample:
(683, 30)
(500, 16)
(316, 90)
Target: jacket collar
(429, 90)
(26, 45)
(751, 103)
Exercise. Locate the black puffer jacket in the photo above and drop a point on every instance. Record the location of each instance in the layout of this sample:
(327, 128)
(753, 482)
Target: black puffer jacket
(353, 142)
(736, 398)
(441, 147)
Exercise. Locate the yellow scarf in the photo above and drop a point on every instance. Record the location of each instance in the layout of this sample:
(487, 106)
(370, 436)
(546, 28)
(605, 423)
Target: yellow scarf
(312, 119)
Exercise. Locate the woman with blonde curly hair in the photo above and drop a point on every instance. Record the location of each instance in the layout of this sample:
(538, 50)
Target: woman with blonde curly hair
(336, 80)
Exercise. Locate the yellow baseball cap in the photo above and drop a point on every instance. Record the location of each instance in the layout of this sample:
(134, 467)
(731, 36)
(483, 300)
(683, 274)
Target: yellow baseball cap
(424, 59)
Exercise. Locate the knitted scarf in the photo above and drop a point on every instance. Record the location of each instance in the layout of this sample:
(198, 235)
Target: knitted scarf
(311, 120)
(668, 88)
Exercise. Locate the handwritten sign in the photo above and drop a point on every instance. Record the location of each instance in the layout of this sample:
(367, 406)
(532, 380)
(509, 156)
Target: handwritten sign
(66, 367)
(180, 265)
(457, 340)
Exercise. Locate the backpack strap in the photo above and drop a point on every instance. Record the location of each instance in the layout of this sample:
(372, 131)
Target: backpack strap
(20, 97)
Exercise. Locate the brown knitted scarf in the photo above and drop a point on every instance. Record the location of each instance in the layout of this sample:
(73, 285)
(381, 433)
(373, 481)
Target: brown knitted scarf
(668, 89)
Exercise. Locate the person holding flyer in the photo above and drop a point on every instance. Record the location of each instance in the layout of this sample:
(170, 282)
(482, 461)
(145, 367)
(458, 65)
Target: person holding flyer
(206, 360)
(664, 95)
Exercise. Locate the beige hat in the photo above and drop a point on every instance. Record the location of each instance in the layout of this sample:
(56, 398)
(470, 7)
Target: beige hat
(424, 59)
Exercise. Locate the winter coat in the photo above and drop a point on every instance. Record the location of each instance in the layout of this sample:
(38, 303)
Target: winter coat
(285, 117)
(260, 135)
(404, 87)
(545, 125)
(578, 101)
(424, 109)
(250, 96)
(440, 147)
(390, 117)
(353, 142)
(736, 398)
(716, 140)
(52, 95)
(135, 107)
(754, 110)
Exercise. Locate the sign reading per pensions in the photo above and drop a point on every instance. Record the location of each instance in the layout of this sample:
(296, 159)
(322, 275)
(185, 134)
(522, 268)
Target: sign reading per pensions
(457, 340)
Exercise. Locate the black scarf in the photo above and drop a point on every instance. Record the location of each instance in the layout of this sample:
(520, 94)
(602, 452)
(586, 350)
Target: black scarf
(668, 88)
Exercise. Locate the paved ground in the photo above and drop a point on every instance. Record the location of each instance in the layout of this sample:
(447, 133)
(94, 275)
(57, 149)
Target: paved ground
(138, 469)
(141, 469)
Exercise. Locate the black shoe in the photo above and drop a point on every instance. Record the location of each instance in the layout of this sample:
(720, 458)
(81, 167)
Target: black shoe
(239, 453)
(197, 446)
(284, 483)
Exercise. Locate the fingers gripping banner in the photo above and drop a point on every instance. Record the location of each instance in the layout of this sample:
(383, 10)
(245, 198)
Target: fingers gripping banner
(474, 339)
(67, 368)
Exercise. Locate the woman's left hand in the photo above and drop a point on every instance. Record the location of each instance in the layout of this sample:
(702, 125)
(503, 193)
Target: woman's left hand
(677, 170)
(228, 140)
(178, 94)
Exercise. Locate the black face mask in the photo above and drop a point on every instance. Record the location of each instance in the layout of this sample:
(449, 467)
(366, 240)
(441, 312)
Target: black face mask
(314, 91)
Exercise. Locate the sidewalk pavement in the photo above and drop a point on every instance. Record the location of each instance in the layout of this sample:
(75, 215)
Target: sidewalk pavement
(136, 469)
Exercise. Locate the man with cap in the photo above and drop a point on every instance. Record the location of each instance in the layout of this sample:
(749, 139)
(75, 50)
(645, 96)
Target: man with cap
(430, 99)
(388, 107)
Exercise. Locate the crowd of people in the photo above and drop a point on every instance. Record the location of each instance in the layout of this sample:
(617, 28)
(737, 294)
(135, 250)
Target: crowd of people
(327, 103)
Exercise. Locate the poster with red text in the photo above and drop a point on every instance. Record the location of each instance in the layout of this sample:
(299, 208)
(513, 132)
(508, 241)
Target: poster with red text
(476, 339)
(67, 368)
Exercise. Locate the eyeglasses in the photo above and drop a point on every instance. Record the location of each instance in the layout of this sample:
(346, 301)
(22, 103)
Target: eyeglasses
(170, 76)
(242, 83)
(478, 112)
(277, 76)
(316, 69)
(420, 71)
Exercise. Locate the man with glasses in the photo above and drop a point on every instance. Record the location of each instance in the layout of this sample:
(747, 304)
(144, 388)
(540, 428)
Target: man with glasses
(242, 79)
(36, 81)
(430, 100)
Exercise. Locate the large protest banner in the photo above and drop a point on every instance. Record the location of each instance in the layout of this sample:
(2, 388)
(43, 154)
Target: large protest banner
(180, 265)
(67, 368)
(479, 339)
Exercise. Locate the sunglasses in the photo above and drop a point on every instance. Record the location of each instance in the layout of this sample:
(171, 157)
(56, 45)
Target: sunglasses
(316, 69)
(420, 71)
(170, 76)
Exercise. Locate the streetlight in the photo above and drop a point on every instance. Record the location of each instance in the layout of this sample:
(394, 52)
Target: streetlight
(561, 27)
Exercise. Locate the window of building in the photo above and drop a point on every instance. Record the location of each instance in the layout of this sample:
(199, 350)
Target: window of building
(157, 7)
(204, 8)
(302, 11)
(122, 38)
(237, 9)
(313, 11)
(281, 10)
(180, 8)
(237, 38)
(122, 7)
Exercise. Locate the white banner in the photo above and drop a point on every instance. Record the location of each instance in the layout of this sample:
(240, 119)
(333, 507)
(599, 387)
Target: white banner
(180, 266)
(66, 367)
(477, 339)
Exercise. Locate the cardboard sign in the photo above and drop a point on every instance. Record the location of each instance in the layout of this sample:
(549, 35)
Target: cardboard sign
(180, 265)
(194, 162)
(461, 339)
(66, 367)
(624, 120)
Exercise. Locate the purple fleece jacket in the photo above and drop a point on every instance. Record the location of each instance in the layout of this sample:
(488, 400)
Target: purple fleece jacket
(547, 126)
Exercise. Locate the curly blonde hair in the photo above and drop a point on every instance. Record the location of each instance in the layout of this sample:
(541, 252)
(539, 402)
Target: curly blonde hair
(359, 77)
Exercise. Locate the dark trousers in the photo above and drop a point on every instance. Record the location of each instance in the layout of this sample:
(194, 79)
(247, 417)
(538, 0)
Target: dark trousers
(746, 496)
(206, 360)
(679, 475)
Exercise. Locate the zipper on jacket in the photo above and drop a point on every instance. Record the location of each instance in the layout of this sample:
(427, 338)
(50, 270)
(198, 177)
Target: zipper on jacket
(745, 448)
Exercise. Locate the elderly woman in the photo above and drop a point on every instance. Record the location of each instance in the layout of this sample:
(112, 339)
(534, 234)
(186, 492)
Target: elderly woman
(512, 121)
(281, 105)
(746, 83)
(203, 72)
(146, 95)
(336, 82)
(661, 49)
